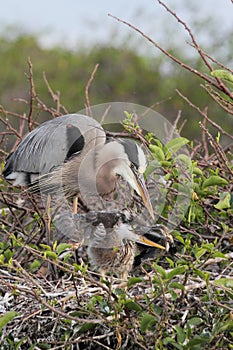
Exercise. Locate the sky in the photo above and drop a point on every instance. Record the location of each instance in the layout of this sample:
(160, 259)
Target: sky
(73, 23)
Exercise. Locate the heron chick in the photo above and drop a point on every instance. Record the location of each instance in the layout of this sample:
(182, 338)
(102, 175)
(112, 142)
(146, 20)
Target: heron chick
(113, 249)
(71, 152)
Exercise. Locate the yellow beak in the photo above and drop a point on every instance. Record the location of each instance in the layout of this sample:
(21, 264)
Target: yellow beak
(150, 243)
(141, 189)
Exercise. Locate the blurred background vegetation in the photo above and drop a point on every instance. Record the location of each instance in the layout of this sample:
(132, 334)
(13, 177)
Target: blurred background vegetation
(124, 74)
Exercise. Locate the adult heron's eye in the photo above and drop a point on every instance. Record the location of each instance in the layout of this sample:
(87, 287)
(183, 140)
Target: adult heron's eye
(133, 166)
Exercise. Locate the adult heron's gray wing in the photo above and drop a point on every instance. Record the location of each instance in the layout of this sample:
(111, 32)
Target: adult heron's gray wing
(53, 142)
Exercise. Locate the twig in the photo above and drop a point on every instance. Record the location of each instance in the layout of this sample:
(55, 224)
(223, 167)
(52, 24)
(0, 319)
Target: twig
(213, 261)
(184, 24)
(222, 86)
(214, 60)
(55, 97)
(218, 150)
(217, 82)
(216, 301)
(204, 141)
(173, 58)
(43, 302)
(88, 106)
(218, 99)
(204, 115)
(32, 94)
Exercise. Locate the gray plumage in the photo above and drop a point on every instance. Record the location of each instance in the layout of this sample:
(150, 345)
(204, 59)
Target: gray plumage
(51, 144)
(71, 154)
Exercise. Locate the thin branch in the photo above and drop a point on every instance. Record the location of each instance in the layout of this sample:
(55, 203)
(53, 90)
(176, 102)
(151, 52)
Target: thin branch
(32, 95)
(214, 60)
(204, 115)
(173, 58)
(184, 24)
(38, 287)
(204, 141)
(88, 106)
(218, 150)
(218, 99)
(55, 97)
(219, 84)
(222, 86)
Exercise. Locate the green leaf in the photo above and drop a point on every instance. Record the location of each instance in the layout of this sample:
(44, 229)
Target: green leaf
(175, 144)
(51, 255)
(177, 285)
(161, 271)
(171, 262)
(62, 246)
(222, 74)
(183, 159)
(7, 318)
(35, 265)
(197, 341)
(165, 164)
(157, 152)
(225, 282)
(214, 180)
(176, 271)
(195, 321)
(203, 274)
(170, 341)
(180, 334)
(200, 252)
(86, 327)
(147, 322)
(218, 254)
(226, 326)
(152, 166)
(178, 236)
(197, 171)
(224, 201)
(132, 305)
(45, 246)
(134, 280)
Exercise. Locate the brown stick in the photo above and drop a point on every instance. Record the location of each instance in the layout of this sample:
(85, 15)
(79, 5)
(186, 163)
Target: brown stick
(88, 106)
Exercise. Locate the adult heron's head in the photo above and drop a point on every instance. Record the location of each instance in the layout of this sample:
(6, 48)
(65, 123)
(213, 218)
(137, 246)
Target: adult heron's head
(127, 159)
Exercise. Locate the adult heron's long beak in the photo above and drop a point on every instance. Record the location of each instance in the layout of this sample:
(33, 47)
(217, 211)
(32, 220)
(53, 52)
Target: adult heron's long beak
(136, 180)
(141, 189)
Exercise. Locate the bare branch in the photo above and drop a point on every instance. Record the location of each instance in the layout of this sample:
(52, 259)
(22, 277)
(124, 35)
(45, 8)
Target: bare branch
(219, 152)
(219, 84)
(223, 103)
(55, 97)
(88, 106)
(184, 24)
(32, 94)
(222, 86)
(173, 58)
(204, 115)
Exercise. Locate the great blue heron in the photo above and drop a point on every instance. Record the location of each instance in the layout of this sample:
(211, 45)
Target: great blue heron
(72, 152)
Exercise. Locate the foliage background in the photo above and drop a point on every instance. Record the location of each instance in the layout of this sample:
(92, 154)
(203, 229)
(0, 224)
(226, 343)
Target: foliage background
(183, 301)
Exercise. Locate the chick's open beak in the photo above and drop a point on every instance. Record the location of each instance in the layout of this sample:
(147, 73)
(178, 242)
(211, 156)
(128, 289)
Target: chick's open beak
(150, 243)
(129, 234)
